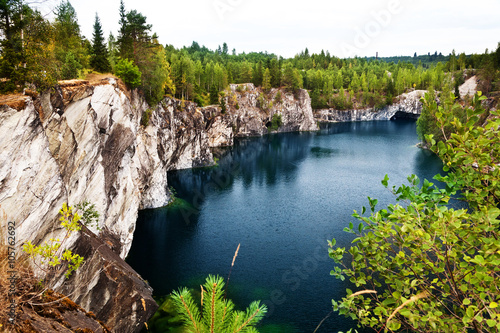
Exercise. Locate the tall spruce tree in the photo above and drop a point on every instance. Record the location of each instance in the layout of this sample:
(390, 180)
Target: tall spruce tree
(123, 40)
(11, 43)
(68, 40)
(99, 58)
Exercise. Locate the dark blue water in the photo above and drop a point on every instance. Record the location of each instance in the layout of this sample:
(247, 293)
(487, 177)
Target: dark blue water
(282, 197)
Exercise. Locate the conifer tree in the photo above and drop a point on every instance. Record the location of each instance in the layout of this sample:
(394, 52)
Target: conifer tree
(15, 19)
(68, 40)
(214, 95)
(275, 71)
(99, 58)
(122, 40)
(266, 80)
(257, 74)
(217, 314)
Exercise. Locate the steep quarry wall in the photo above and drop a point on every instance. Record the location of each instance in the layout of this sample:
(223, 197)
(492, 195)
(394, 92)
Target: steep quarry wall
(85, 141)
(250, 111)
(407, 106)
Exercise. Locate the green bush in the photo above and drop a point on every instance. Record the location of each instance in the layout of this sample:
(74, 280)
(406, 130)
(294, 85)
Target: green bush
(146, 115)
(421, 265)
(278, 99)
(198, 99)
(70, 67)
(52, 253)
(276, 122)
(128, 72)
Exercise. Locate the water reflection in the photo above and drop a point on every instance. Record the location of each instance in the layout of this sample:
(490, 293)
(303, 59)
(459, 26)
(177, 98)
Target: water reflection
(262, 161)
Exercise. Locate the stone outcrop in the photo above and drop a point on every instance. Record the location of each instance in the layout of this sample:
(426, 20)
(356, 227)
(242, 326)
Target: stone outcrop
(469, 87)
(85, 141)
(60, 315)
(107, 286)
(407, 106)
(250, 112)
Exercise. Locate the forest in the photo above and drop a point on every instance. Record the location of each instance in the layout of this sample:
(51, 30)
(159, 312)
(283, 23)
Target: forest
(421, 250)
(36, 53)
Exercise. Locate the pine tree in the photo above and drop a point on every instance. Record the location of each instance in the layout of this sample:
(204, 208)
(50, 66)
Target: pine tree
(217, 314)
(497, 57)
(112, 50)
(68, 40)
(257, 74)
(266, 80)
(214, 95)
(275, 71)
(99, 58)
(123, 41)
(11, 44)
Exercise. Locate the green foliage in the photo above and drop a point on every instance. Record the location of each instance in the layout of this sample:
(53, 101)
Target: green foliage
(214, 95)
(421, 265)
(146, 115)
(223, 104)
(11, 43)
(89, 215)
(292, 80)
(317, 101)
(128, 72)
(166, 318)
(135, 44)
(428, 123)
(99, 57)
(68, 40)
(71, 67)
(276, 122)
(155, 71)
(266, 80)
(41, 64)
(49, 254)
(189, 73)
(216, 314)
(471, 153)
(262, 102)
(278, 98)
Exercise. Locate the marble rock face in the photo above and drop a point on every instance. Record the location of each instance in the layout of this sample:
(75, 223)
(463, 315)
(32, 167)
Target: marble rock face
(407, 106)
(90, 142)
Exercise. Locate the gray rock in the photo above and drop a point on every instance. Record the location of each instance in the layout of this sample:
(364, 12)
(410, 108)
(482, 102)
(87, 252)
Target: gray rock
(86, 142)
(107, 286)
(408, 106)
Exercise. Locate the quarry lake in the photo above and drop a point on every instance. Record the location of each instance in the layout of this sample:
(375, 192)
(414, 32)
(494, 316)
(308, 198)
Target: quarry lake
(281, 196)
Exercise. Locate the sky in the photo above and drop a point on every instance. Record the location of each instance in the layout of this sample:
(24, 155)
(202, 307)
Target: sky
(344, 28)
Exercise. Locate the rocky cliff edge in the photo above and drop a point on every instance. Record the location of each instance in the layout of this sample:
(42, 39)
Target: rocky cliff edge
(407, 106)
(83, 141)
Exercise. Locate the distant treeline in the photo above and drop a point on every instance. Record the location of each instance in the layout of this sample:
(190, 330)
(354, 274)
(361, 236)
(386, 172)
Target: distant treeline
(40, 52)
